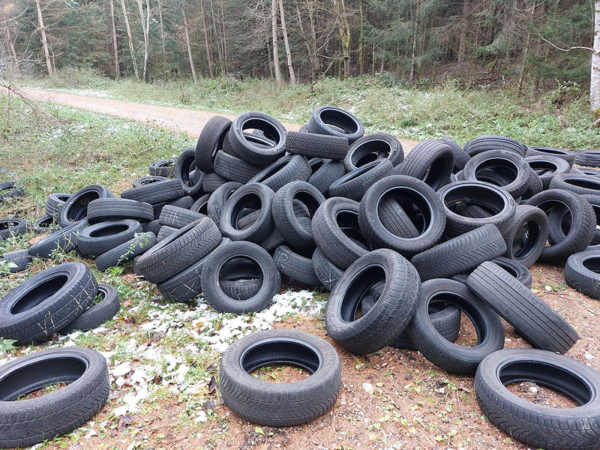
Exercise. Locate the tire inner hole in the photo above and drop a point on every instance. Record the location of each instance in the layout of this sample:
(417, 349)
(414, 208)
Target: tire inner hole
(481, 196)
(369, 283)
(38, 294)
(545, 384)
(78, 209)
(296, 361)
(370, 151)
(7, 225)
(497, 171)
(240, 278)
(347, 221)
(526, 239)
(339, 121)
(40, 375)
(473, 331)
(247, 204)
(401, 205)
(108, 231)
(269, 131)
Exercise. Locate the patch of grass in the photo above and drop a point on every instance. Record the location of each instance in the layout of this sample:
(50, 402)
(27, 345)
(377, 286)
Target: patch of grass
(534, 118)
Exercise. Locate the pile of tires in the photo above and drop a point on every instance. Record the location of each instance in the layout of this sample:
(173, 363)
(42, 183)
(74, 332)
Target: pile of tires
(407, 245)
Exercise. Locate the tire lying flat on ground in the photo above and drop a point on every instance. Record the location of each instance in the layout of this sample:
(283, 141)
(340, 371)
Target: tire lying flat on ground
(281, 404)
(29, 422)
(538, 425)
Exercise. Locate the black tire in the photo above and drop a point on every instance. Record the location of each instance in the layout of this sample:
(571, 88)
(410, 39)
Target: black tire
(590, 158)
(410, 194)
(164, 232)
(148, 179)
(96, 314)
(337, 233)
(393, 217)
(186, 286)
(335, 122)
(172, 216)
(555, 203)
(179, 251)
(487, 143)
(200, 206)
(44, 225)
(317, 145)
(526, 312)
(241, 289)
(275, 239)
(327, 272)
(444, 354)
(16, 261)
(446, 322)
(534, 186)
(155, 193)
(218, 198)
(526, 238)
(258, 197)
(25, 423)
(152, 227)
(582, 272)
(234, 168)
(46, 303)
(211, 271)
(104, 236)
(260, 155)
(295, 266)
(285, 218)
(55, 202)
(186, 173)
(75, 209)
(211, 182)
(491, 199)
(566, 155)
(119, 255)
(540, 426)
(210, 142)
(182, 202)
(391, 313)
(374, 147)
(461, 254)
(283, 171)
(503, 168)
(430, 161)
(353, 185)
(285, 404)
(163, 168)
(12, 227)
(12, 189)
(594, 201)
(106, 209)
(580, 184)
(516, 269)
(63, 240)
(547, 167)
(460, 156)
(324, 173)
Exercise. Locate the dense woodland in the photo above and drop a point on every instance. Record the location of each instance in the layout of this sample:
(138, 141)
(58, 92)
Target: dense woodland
(415, 41)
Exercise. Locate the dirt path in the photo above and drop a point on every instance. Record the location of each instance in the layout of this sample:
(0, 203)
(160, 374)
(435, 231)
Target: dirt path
(175, 119)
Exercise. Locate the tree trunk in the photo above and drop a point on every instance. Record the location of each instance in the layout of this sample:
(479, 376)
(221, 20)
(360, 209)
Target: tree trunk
(345, 37)
(287, 44)
(11, 44)
(162, 39)
(315, 62)
(464, 26)
(114, 39)
(44, 39)
(146, 32)
(361, 68)
(207, 43)
(225, 54)
(595, 77)
(526, 51)
(275, 43)
(413, 63)
(187, 40)
(218, 41)
(131, 49)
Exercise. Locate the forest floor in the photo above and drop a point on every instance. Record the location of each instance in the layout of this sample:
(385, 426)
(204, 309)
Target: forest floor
(163, 358)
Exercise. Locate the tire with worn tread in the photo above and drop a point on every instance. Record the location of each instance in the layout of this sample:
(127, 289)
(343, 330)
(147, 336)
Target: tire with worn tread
(96, 314)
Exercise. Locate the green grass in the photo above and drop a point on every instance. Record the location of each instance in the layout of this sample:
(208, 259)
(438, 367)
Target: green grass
(559, 118)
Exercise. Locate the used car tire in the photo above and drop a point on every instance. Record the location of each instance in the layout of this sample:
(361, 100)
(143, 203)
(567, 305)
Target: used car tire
(259, 155)
(12, 189)
(185, 171)
(156, 193)
(210, 142)
(335, 122)
(215, 296)
(173, 216)
(430, 161)
(526, 239)
(19, 259)
(582, 272)
(25, 423)
(283, 171)
(295, 266)
(327, 272)
(317, 145)
(567, 155)
(260, 198)
(46, 303)
(547, 167)
(538, 425)
(119, 255)
(63, 240)
(96, 314)
(373, 147)
(106, 209)
(54, 204)
(75, 209)
(353, 185)
(324, 173)
(539, 324)
(487, 143)
(281, 404)
(104, 236)
(444, 354)
(391, 313)
(163, 168)
(12, 227)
